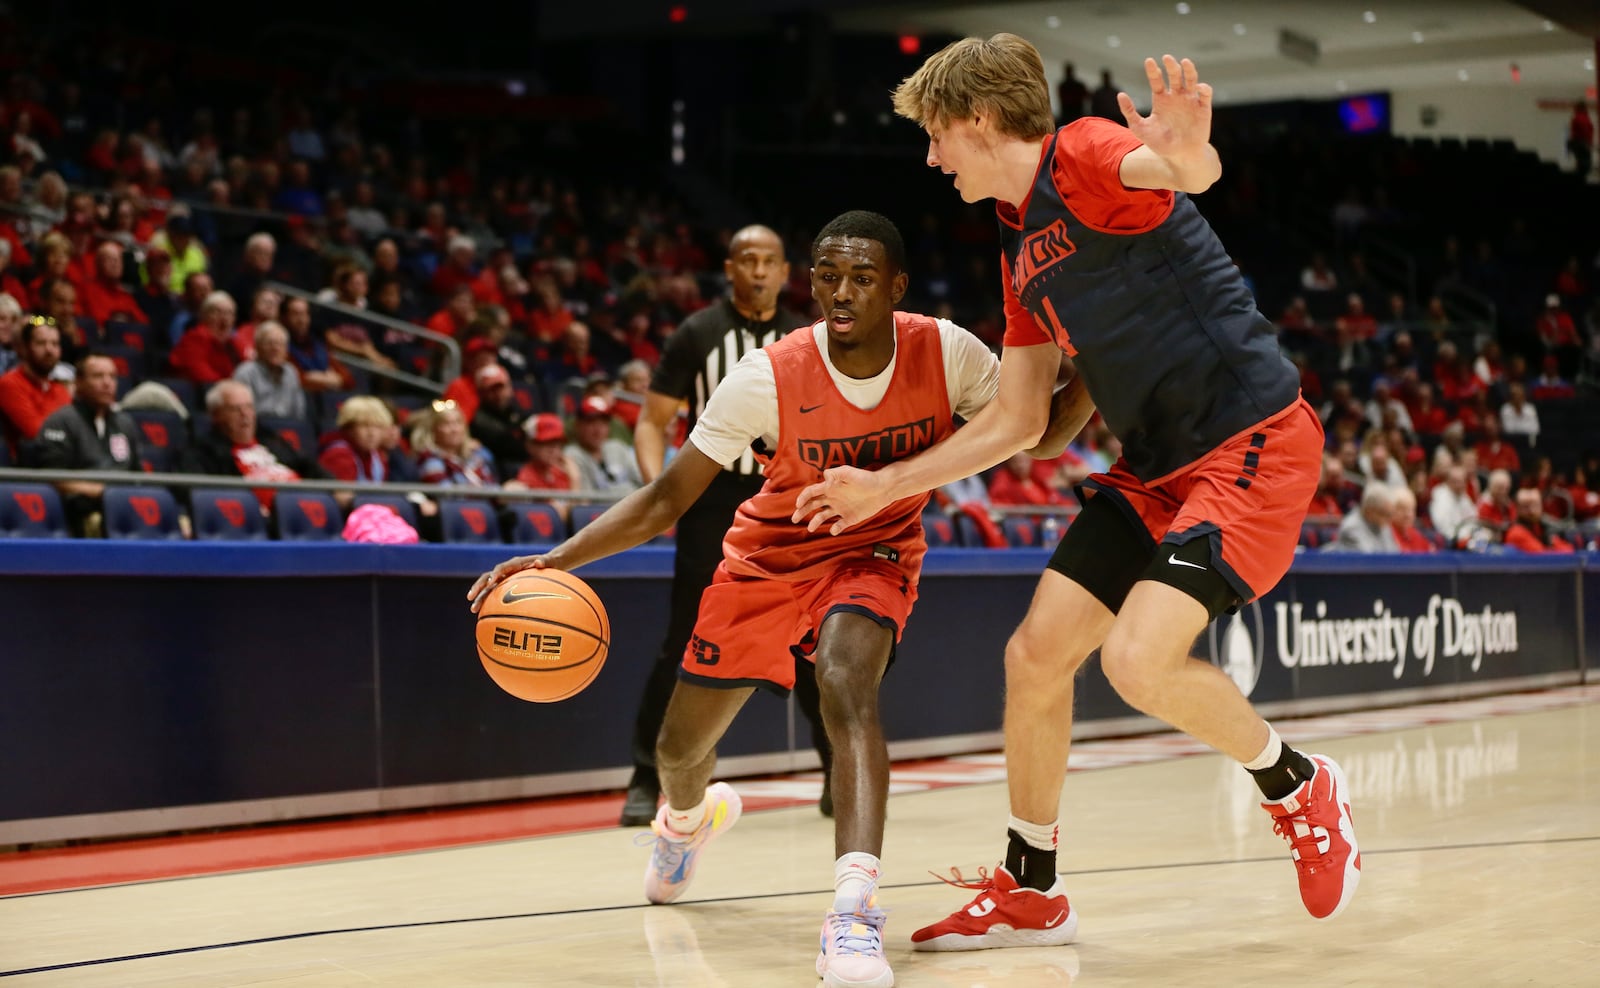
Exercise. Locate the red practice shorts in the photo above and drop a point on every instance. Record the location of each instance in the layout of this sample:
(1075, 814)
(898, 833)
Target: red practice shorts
(751, 630)
(1247, 497)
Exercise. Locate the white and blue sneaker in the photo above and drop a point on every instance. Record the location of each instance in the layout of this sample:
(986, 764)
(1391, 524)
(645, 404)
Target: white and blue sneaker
(852, 946)
(673, 856)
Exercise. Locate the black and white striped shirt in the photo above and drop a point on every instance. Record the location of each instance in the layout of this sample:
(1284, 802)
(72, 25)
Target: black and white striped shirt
(704, 349)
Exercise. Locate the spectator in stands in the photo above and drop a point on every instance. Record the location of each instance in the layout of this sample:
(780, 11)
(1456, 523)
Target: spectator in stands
(633, 380)
(1489, 368)
(358, 453)
(453, 318)
(575, 358)
(10, 284)
(1103, 101)
(1580, 139)
(1559, 336)
(1496, 508)
(1317, 276)
(255, 267)
(103, 297)
(27, 393)
(236, 446)
(1297, 323)
(1384, 410)
(1518, 416)
(1550, 385)
(11, 318)
(605, 465)
(297, 195)
(1452, 376)
(205, 355)
(271, 376)
(1404, 524)
(89, 433)
(1528, 531)
(178, 241)
(1494, 453)
(1452, 503)
(196, 289)
(264, 307)
(1015, 483)
(478, 353)
(363, 215)
(459, 267)
(1333, 497)
(446, 454)
(1377, 463)
(1356, 321)
(1428, 418)
(497, 422)
(1367, 527)
(1072, 95)
(310, 356)
(349, 287)
(548, 467)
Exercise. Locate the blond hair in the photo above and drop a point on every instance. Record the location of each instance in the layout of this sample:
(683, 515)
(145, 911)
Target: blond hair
(1002, 76)
(362, 410)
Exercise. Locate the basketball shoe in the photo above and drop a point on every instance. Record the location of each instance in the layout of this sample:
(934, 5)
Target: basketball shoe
(852, 946)
(673, 856)
(1004, 914)
(1315, 820)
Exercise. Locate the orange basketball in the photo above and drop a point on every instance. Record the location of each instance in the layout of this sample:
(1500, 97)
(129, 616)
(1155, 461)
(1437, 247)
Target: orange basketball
(543, 635)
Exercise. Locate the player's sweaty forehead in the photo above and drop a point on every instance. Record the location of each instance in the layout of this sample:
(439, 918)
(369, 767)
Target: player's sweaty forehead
(850, 254)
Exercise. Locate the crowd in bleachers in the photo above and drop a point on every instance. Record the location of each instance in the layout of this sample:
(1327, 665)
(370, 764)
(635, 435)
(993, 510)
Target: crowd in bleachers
(253, 274)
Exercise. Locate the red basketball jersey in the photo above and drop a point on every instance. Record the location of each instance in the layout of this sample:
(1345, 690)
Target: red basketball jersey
(817, 429)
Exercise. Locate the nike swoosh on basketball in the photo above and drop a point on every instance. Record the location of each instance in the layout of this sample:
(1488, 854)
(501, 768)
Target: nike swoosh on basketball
(1057, 920)
(1174, 560)
(512, 598)
(805, 409)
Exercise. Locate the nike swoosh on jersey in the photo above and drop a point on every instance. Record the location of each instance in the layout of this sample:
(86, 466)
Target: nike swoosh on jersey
(1174, 560)
(807, 409)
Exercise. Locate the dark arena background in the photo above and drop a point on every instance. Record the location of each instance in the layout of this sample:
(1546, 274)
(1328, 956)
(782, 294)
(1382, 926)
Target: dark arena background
(245, 735)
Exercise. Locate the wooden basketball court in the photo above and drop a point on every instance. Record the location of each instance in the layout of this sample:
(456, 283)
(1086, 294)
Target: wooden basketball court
(1479, 825)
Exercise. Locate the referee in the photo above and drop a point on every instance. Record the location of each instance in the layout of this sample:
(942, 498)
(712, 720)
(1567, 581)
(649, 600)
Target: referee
(699, 354)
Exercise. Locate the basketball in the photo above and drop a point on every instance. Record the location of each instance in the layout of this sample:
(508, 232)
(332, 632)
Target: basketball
(543, 635)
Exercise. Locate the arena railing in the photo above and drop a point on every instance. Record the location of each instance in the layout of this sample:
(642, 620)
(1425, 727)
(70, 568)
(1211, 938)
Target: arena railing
(449, 367)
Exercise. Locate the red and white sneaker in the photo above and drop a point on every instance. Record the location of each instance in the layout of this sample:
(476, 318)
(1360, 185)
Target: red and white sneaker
(1315, 820)
(1004, 914)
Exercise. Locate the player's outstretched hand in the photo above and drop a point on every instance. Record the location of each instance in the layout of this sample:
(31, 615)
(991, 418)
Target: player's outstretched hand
(516, 564)
(844, 497)
(1180, 109)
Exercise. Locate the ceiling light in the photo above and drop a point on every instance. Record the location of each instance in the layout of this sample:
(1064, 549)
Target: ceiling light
(1114, 41)
(1052, 22)
(1588, 65)
(1183, 8)
(1370, 17)
(1342, 86)
(1462, 75)
(1416, 37)
(1238, 29)
(1548, 26)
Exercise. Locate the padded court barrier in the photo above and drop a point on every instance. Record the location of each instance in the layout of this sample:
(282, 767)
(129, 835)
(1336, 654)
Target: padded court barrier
(235, 684)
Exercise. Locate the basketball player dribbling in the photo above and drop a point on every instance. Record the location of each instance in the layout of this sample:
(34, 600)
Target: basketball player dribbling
(1105, 258)
(863, 386)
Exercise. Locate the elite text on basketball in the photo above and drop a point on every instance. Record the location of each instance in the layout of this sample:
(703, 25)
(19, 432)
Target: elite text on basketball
(527, 641)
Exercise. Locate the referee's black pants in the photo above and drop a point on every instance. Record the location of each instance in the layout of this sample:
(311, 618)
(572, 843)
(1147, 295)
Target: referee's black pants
(699, 552)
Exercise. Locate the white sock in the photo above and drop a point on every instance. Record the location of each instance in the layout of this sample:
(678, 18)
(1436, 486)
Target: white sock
(1042, 836)
(1269, 755)
(686, 821)
(853, 874)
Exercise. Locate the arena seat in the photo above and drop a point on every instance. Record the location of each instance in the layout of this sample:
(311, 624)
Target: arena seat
(583, 514)
(297, 434)
(160, 430)
(967, 533)
(537, 523)
(471, 522)
(31, 511)
(938, 529)
(307, 516)
(227, 516)
(1021, 531)
(141, 513)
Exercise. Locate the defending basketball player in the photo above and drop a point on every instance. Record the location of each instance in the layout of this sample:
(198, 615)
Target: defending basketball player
(864, 386)
(1105, 258)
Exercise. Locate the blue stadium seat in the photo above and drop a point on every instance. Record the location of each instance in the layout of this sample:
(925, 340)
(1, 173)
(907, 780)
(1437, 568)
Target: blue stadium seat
(155, 459)
(200, 425)
(405, 509)
(471, 522)
(967, 533)
(1021, 531)
(187, 392)
(583, 514)
(160, 430)
(141, 513)
(227, 516)
(938, 528)
(538, 523)
(296, 433)
(129, 361)
(308, 516)
(120, 332)
(31, 511)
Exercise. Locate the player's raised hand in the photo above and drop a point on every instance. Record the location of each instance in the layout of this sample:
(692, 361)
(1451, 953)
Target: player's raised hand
(845, 496)
(1179, 123)
(485, 582)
